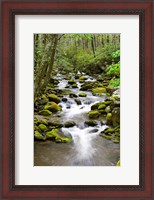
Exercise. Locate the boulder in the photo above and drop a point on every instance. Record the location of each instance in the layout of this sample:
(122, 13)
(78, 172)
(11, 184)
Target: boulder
(42, 127)
(54, 98)
(78, 101)
(94, 114)
(81, 94)
(91, 123)
(109, 119)
(69, 124)
(52, 106)
(116, 117)
(45, 112)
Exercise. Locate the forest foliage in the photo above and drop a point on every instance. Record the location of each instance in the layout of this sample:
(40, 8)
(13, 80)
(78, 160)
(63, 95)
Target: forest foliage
(89, 53)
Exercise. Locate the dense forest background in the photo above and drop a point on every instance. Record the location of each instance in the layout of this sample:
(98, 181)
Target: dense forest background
(89, 53)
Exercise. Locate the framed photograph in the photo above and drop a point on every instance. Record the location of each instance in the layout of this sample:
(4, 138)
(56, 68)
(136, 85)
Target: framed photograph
(76, 99)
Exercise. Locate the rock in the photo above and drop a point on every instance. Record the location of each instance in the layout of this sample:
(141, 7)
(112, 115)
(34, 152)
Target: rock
(81, 94)
(116, 117)
(45, 112)
(52, 134)
(38, 136)
(43, 101)
(42, 127)
(91, 122)
(78, 101)
(107, 109)
(72, 95)
(109, 137)
(52, 106)
(118, 163)
(108, 130)
(95, 106)
(107, 102)
(69, 124)
(54, 98)
(99, 90)
(55, 124)
(43, 121)
(94, 114)
(94, 130)
(87, 86)
(76, 76)
(116, 140)
(64, 99)
(109, 119)
(101, 106)
(74, 85)
(71, 82)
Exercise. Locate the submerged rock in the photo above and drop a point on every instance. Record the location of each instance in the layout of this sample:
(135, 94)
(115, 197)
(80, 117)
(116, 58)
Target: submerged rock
(91, 123)
(69, 124)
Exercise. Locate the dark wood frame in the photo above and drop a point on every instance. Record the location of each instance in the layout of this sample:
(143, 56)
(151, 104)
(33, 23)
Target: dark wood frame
(11, 8)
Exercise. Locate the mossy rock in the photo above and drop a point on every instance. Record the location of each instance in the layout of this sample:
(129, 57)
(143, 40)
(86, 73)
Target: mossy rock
(107, 136)
(87, 86)
(83, 78)
(108, 130)
(91, 123)
(78, 101)
(118, 163)
(55, 124)
(38, 136)
(52, 106)
(101, 106)
(52, 134)
(117, 129)
(81, 94)
(81, 81)
(109, 119)
(95, 106)
(116, 140)
(45, 112)
(66, 92)
(107, 102)
(116, 117)
(108, 109)
(94, 114)
(99, 90)
(74, 85)
(42, 127)
(36, 128)
(72, 95)
(71, 82)
(43, 121)
(64, 99)
(43, 101)
(63, 140)
(69, 124)
(54, 98)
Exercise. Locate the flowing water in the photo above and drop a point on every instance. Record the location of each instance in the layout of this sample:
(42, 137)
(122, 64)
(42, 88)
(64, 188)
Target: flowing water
(87, 148)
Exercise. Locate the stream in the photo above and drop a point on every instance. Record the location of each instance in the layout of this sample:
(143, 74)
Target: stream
(87, 147)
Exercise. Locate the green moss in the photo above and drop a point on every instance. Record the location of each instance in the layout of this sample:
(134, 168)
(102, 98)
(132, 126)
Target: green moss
(91, 122)
(99, 90)
(38, 136)
(43, 121)
(109, 119)
(81, 94)
(82, 78)
(108, 130)
(69, 124)
(107, 109)
(54, 98)
(109, 137)
(74, 85)
(95, 106)
(45, 112)
(101, 106)
(42, 127)
(94, 114)
(55, 124)
(52, 134)
(52, 106)
(118, 163)
(116, 117)
(71, 82)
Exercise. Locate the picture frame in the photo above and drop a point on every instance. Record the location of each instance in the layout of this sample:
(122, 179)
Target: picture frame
(12, 8)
